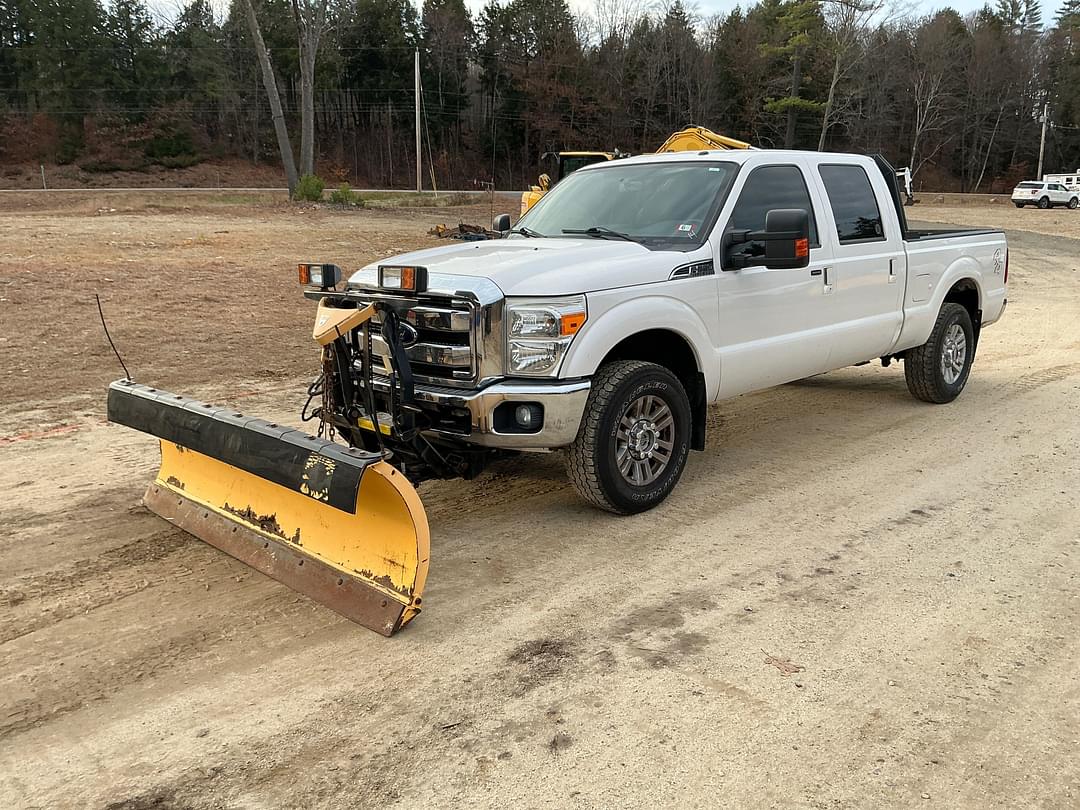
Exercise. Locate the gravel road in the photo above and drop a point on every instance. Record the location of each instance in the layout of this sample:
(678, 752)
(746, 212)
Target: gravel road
(852, 599)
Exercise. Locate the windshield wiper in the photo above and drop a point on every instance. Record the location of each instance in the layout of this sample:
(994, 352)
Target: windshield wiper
(601, 232)
(526, 232)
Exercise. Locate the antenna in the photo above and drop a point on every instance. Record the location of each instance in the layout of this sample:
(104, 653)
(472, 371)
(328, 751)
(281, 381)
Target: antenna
(97, 298)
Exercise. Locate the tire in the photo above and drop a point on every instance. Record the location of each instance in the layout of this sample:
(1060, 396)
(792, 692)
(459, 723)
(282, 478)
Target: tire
(1044, 203)
(1019, 205)
(1073, 202)
(934, 371)
(645, 394)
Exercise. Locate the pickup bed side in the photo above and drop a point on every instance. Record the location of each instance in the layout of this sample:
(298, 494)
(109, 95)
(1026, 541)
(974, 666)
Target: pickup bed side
(965, 266)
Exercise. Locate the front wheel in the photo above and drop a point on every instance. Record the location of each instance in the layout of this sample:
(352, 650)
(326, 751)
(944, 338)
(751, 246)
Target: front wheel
(1073, 202)
(1044, 203)
(634, 437)
(938, 370)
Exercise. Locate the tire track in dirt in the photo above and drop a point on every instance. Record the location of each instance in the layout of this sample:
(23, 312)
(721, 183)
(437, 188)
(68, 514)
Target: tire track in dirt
(180, 633)
(80, 587)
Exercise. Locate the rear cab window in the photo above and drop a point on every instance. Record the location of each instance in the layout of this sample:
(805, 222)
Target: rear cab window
(853, 202)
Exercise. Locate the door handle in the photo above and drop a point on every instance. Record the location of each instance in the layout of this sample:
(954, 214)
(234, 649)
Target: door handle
(827, 281)
(892, 271)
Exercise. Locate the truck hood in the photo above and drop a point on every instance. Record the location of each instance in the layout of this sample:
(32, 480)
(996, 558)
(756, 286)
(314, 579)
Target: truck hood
(544, 267)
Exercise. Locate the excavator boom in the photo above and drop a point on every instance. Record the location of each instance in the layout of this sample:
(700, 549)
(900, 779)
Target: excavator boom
(692, 138)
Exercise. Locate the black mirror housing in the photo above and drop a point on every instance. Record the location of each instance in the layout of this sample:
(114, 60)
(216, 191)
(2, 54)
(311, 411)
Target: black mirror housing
(501, 223)
(786, 238)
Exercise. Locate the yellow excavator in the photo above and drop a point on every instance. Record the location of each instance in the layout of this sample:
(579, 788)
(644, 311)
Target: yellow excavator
(685, 140)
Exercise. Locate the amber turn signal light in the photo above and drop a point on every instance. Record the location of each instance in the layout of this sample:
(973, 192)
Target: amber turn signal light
(570, 323)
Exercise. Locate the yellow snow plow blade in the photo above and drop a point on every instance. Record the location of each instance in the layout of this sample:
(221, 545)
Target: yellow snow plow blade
(337, 524)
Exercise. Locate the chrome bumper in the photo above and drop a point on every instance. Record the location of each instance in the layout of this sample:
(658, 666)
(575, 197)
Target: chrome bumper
(563, 404)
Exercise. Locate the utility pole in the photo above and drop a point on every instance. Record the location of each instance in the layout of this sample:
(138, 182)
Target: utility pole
(419, 176)
(1042, 139)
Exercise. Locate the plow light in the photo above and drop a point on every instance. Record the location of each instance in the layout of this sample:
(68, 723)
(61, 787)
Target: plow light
(406, 279)
(323, 276)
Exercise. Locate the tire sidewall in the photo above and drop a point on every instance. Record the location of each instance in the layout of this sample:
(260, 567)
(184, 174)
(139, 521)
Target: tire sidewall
(956, 316)
(624, 495)
(1044, 203)
(1073, 203)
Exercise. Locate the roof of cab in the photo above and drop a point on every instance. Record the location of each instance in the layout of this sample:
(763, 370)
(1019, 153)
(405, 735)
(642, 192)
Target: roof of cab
(728, 155)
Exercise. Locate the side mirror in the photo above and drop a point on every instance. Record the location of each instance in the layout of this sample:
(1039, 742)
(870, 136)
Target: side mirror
(501, 223)
(786, 237)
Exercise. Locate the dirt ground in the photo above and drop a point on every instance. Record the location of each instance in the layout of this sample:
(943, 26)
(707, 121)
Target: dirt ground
(852, 599)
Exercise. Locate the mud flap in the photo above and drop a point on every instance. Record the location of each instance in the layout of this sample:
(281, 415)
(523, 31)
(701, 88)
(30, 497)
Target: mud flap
(337, 524)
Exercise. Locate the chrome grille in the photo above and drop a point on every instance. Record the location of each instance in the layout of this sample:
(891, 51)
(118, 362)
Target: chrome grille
(444, 349)
(455, 313)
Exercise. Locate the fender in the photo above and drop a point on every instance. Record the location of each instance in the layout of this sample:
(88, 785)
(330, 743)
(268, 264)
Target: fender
(919, 317)
(607, 326)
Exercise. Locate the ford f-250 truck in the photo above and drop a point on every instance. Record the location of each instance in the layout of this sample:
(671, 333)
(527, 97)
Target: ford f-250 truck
(634, 295)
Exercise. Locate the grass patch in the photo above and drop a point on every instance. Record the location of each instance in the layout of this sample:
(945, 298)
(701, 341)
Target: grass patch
(410, 199)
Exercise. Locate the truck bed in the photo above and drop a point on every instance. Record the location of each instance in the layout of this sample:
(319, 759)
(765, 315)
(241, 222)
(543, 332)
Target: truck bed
(924, 234)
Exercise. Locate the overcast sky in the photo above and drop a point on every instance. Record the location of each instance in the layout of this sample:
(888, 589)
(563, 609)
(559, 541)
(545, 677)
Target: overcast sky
(168, 8)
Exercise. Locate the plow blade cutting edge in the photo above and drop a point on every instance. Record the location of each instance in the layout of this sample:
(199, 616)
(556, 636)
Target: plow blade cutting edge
(337, 524)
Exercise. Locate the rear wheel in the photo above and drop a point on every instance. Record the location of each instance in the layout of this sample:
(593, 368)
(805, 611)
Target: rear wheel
(634, 437)
(938, 370)
(1019, 205)
(1044, 203)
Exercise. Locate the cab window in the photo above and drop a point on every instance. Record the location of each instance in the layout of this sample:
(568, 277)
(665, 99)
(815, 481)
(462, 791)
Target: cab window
(854, 205)
(768, 188)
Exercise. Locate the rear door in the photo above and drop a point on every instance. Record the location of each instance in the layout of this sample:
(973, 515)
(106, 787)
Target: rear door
(773, 324)
(868, 271)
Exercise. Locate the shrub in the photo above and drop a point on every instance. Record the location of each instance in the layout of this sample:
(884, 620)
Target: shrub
(344, 195)
(172, 145)
(309, 188)
(67, 150)
(107, 165)
(179, 161)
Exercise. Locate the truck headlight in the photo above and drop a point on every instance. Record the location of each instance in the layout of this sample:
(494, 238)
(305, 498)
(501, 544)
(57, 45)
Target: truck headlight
(539, 333)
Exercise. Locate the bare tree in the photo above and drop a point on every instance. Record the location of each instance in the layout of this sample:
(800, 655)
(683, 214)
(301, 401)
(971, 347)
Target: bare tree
(846, 25)
(310, 16)
(270, 83)
(935, 69)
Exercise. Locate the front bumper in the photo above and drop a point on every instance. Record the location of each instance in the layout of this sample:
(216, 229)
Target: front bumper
(563, 404)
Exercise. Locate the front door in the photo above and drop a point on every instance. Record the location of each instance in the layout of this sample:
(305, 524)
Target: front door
(773, 326)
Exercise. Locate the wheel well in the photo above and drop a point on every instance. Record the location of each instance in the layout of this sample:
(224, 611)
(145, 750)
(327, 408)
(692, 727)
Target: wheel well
(673, 352)
(966, 293)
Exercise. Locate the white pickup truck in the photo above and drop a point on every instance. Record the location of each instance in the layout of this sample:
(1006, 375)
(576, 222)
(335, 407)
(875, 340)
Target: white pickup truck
(638, 292)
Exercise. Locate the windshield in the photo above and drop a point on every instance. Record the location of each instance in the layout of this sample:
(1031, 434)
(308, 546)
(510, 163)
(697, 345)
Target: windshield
(649, 202)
